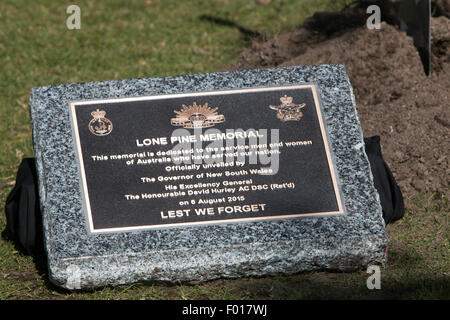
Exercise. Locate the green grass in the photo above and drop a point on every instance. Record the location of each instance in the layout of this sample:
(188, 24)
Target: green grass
(132, 39)
(418, 268)
(118, 40)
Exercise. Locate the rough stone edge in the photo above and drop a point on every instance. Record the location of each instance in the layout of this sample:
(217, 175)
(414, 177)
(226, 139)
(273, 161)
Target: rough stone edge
(125, 269)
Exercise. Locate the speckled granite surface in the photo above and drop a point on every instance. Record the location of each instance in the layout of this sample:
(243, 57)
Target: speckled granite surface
(77, 259)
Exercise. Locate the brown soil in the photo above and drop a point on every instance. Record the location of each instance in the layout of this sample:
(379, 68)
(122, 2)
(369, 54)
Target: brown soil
(394, 97)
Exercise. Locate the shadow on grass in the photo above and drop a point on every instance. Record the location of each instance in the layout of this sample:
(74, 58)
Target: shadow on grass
(405, 259)
(398, 281)
(313, 286)
(247, 33)
(39, 260)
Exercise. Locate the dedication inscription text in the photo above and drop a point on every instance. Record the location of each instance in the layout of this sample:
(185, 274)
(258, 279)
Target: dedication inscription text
(202, 158)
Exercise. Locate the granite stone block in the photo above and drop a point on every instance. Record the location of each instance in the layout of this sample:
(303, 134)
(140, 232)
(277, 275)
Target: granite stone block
(79, 259)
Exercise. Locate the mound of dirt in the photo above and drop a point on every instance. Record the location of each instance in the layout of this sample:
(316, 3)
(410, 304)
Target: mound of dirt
(394, 97)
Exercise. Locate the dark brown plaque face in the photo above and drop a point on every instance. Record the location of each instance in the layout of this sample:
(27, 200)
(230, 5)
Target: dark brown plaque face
(204, 158)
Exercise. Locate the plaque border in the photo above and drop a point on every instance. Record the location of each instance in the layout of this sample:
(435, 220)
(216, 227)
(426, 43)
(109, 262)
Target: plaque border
(83, 183)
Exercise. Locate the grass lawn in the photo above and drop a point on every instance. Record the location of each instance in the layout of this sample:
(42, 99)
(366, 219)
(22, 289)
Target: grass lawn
(150, 38)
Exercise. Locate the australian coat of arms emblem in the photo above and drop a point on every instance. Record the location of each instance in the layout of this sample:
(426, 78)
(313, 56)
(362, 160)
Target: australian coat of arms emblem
(197, 116)
(288, 111)
(99, 125)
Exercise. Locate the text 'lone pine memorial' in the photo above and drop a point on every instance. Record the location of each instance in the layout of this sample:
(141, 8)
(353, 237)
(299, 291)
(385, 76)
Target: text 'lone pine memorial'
(199, 177)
